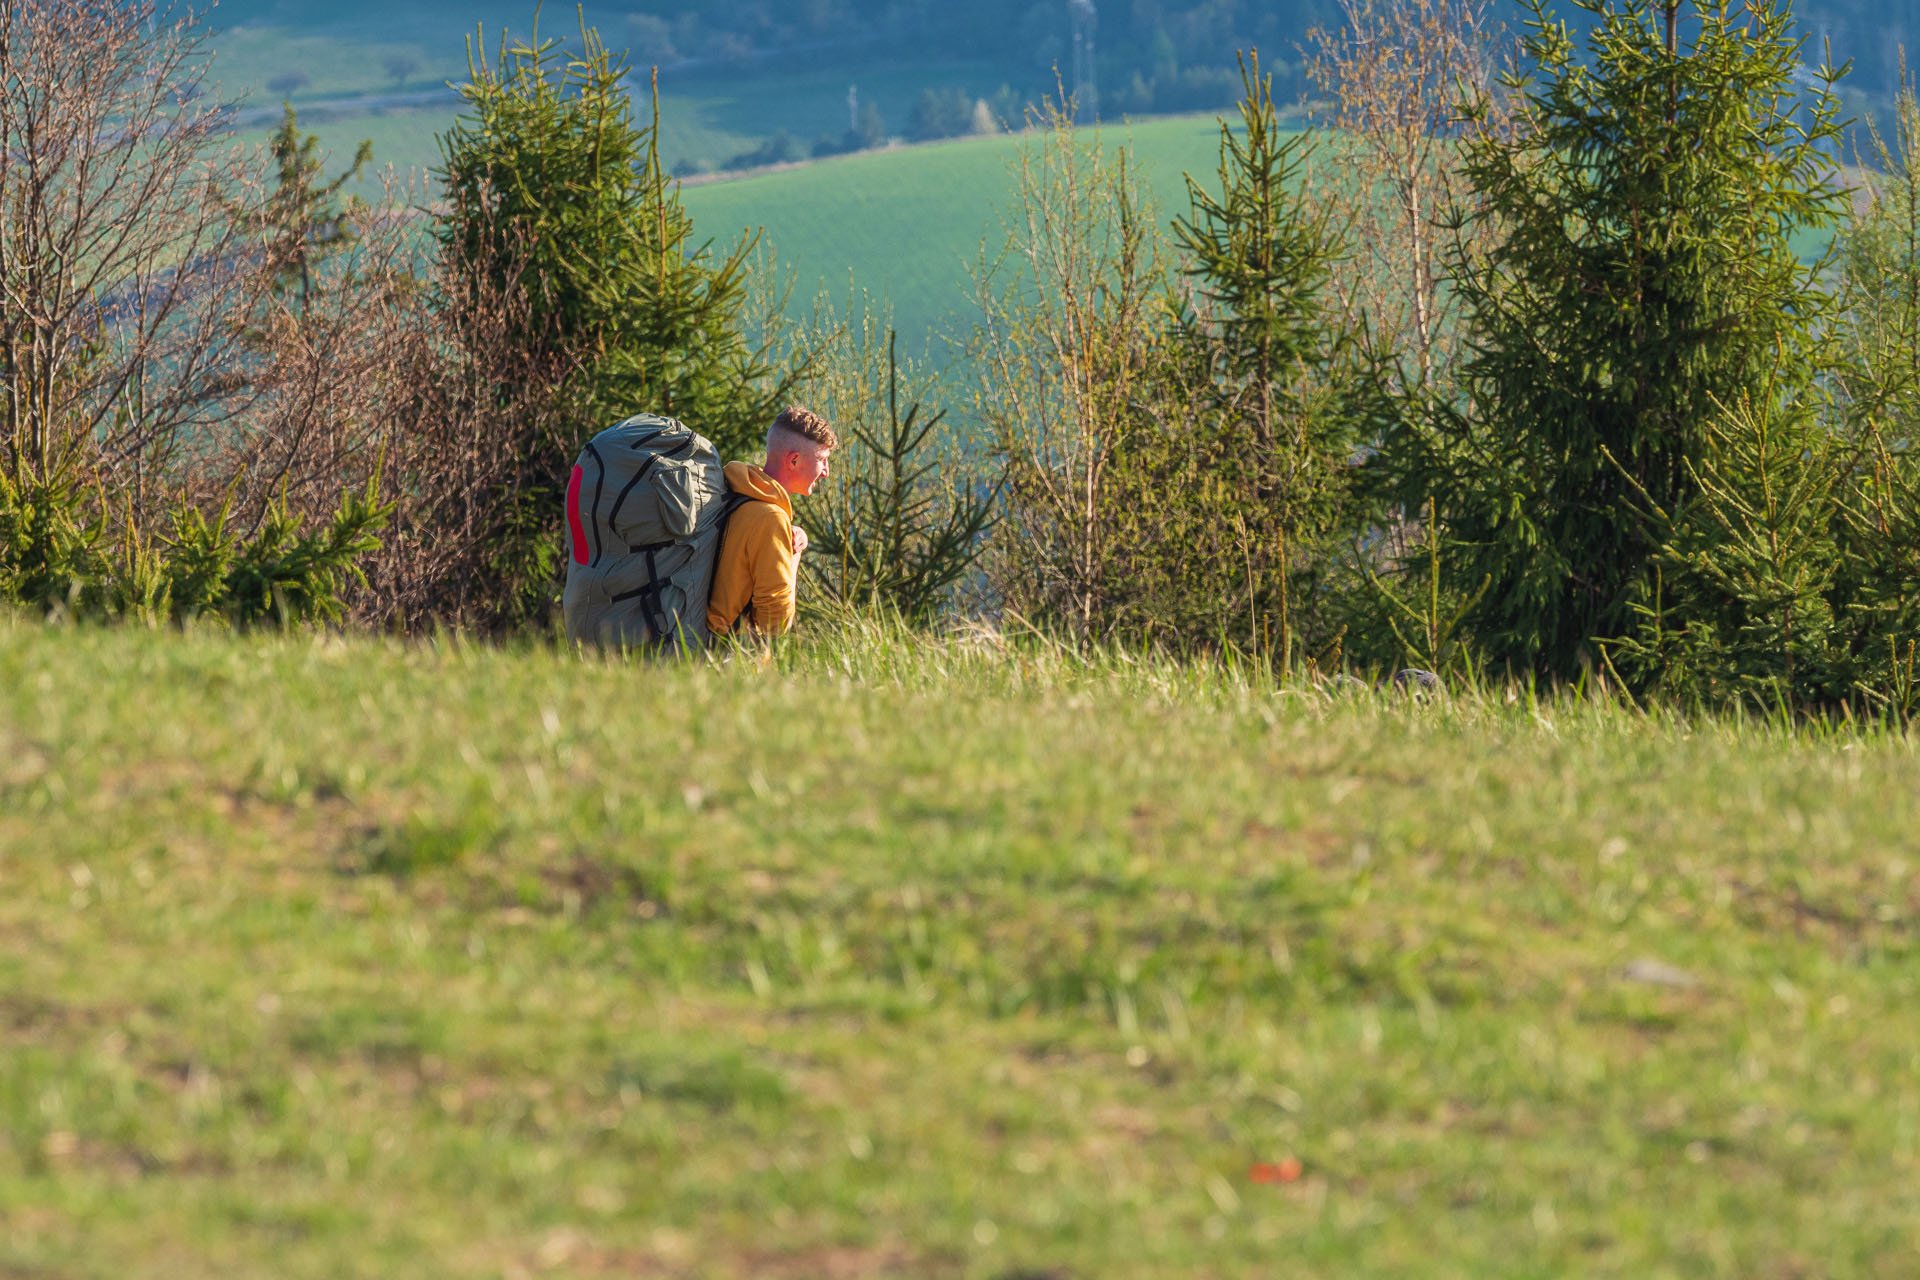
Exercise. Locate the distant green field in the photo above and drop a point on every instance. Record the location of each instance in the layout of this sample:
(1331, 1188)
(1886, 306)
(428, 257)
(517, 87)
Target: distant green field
(905, 225)
(350, 85)
(706, 117)
(908, 225)
(932, 958)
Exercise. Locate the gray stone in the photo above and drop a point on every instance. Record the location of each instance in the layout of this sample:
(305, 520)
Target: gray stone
(1658, 973)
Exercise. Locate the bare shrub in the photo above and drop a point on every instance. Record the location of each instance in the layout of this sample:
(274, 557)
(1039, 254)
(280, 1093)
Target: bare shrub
(1403, 82)
(137, 320)
(1395, 75)
(1071, 314)
(312, 396)
(1879, 259)
(468, 392)
(120, 269)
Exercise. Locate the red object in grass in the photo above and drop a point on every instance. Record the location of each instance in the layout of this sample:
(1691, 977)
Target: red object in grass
(573, 518)
(1287, 1170)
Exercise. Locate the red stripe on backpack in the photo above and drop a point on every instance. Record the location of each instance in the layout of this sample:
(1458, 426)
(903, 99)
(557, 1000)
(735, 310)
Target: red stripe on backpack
(573, 518)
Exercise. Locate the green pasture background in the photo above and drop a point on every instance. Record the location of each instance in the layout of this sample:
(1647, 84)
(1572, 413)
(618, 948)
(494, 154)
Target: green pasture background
(906, 226)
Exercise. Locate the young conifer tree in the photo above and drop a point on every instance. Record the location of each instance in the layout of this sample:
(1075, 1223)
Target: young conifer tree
(1642, 282)
(307, 219)
(550, 179)
(904, 522)
(1792, 575)
(556, 192)
(1248, 501)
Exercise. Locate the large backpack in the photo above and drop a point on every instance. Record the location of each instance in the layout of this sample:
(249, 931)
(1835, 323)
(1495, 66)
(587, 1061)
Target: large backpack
(646, 507)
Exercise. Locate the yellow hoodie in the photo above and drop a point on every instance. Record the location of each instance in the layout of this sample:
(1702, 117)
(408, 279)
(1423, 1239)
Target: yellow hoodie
(753, 581)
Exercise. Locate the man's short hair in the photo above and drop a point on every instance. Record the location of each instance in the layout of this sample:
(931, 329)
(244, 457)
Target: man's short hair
(797, 424)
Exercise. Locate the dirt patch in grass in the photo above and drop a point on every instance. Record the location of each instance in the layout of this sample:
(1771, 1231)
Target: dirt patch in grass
(677, 1256)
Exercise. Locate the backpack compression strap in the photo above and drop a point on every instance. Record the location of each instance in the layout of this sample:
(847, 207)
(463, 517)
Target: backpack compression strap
(649, 593)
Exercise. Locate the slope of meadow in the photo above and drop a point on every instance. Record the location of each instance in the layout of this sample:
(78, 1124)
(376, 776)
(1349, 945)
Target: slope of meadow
(707, 116)
(325, 957)
(909, 225)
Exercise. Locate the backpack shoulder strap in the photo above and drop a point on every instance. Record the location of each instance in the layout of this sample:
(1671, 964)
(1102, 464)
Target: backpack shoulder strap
(728, 505)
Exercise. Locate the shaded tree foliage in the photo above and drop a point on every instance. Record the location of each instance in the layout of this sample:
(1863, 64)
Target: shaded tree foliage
(940, 113)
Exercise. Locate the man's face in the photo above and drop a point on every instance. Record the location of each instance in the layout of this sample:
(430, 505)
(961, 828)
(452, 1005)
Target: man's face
(804, 469)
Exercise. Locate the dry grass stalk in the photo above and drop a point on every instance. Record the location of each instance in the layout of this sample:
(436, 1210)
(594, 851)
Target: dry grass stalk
(1064, 343)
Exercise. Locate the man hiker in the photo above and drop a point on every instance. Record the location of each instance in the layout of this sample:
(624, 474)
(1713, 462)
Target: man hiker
(760, 554)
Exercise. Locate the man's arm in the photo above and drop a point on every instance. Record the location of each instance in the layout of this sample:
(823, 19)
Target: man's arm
(755, 575)
(776, 566)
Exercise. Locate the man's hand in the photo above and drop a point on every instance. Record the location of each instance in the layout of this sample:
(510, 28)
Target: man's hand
(799, 539)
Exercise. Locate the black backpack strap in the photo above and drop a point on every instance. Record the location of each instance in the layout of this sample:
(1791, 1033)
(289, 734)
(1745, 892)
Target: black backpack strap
(639, 474)
(728, 505)
(649, 592)
(599, 480)
(650, 601)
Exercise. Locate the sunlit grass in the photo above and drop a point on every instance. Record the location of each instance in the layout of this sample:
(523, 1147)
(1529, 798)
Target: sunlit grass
(910, 225)
(910, 955)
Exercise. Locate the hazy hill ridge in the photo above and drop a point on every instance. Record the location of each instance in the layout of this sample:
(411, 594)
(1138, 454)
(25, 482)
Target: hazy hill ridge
(1169, 47)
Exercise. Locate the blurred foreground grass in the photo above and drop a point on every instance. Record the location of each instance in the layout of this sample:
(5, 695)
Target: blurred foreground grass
(924, 958)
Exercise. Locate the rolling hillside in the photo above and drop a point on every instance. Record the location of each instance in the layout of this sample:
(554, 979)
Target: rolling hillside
(396, 92)
(908, 224)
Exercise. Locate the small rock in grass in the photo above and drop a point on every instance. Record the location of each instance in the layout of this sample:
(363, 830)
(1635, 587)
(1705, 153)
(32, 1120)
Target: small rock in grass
(1413, 680)
(1659, 973)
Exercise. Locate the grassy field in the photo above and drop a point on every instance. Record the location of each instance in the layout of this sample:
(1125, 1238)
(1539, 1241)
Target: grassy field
(389, 83)
(706, 117)
(908, 225)
(326, 957)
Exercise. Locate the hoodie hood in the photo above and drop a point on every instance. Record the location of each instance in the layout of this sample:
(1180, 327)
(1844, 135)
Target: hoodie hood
(745, 478)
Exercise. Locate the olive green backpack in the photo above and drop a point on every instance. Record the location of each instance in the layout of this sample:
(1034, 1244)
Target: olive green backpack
(646, 507)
